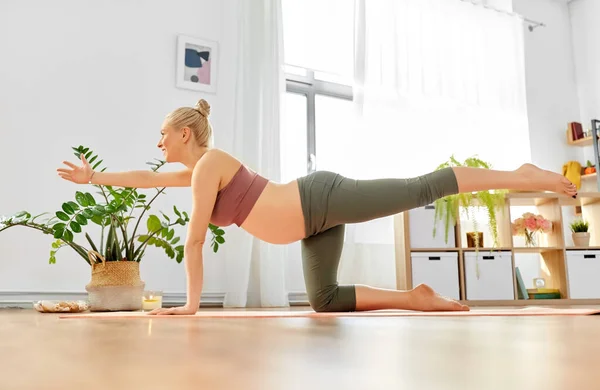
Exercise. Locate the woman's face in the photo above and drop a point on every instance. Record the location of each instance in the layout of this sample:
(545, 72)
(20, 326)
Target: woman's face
(171, 143)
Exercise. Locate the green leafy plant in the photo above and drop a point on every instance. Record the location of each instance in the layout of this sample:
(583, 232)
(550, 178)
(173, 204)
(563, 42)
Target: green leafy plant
(447, 209)
(579, 226)
(113, 210)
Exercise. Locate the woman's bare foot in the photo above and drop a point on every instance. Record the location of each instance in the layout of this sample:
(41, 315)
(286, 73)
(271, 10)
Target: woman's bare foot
(424, 298)
(540, 179)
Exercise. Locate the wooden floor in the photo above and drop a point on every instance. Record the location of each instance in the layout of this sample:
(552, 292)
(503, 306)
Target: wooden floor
(39, 351)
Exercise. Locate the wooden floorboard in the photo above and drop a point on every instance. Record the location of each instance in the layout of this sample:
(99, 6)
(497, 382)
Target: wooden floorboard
(39, 351)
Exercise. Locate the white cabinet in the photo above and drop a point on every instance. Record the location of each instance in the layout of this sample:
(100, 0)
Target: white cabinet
(495, 278)
(583, 273)
(421, 222)
(438, 270)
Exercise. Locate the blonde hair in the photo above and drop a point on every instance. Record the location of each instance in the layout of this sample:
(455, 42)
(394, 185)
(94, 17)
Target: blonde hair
(196, 119)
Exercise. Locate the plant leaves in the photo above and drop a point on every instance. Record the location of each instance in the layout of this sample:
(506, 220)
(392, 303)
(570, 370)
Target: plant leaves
(153, 224)
(81, 219)
(175, 240)
(170, 234)
(220, 239)
(68, 209)
(87, 213)
(176, 211)
(67, 235)
(81, 199)
(75, 227)
(62, 216)
(73, 205)
(90, 199)
(58, 226)
(58, 233)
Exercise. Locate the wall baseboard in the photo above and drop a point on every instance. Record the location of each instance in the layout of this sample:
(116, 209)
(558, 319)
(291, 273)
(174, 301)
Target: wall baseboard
(25, 299)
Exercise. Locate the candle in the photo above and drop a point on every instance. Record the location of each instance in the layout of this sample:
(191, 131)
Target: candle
(152, 300)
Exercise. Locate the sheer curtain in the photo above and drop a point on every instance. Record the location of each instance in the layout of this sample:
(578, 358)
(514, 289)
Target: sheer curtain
(254, 269)
(433, 78)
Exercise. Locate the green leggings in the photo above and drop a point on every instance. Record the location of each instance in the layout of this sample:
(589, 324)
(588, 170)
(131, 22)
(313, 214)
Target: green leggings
(329, 201)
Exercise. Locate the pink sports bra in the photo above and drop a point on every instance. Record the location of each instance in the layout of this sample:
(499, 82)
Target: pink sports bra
(235, 201)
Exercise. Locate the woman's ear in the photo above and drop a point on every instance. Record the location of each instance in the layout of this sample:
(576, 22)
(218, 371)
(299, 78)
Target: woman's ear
(186, 134)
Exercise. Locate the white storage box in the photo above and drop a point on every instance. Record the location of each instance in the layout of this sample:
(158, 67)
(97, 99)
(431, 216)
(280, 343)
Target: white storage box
(583, 273)
(495, 281)
(421, 222)
(438, 270)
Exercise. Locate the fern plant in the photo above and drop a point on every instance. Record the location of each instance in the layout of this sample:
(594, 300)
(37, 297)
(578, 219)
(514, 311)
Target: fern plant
(112, 210)
(447, 208)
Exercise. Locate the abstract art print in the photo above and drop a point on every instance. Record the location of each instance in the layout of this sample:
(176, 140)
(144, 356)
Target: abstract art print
(196, 64)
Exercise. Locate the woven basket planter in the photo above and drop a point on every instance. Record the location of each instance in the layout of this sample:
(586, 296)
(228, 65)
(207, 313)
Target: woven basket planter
(115, 285)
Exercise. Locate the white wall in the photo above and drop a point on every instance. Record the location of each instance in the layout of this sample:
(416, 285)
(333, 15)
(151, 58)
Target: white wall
(100, 74)
(552, 97)
(586, 53)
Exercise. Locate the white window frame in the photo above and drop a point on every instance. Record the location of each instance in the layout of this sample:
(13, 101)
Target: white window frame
(309, 86)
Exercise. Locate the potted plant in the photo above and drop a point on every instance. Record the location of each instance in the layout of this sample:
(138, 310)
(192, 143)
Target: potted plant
(580, 233)
(447, 208)
(115, 279)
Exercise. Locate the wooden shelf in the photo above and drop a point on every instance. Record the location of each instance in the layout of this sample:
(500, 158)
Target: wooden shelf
(536, 249)
(498, 249)
(434, 249)
(589, 176)
(553, 250)
(587, 141)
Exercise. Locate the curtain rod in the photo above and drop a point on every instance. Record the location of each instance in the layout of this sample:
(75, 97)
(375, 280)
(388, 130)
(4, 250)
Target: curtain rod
(533, 24)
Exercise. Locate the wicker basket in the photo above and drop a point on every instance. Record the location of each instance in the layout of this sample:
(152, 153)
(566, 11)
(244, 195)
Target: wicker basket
(115, 285)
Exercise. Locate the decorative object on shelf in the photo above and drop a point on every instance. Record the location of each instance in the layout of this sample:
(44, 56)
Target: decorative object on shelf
(580, 233)
(589, 169)
(474, 238)
(572, 171)
(197, 63)
(576, 130)
(529, 225)
(447, 208)
(539, 282)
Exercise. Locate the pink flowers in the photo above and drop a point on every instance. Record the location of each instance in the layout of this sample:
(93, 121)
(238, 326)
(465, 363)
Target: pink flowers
(529, 224)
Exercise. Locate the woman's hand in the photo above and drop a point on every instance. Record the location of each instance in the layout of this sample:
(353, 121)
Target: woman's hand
(79, 175)
(174, 311)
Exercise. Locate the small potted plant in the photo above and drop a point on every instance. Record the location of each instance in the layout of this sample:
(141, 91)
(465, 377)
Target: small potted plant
(581, 235)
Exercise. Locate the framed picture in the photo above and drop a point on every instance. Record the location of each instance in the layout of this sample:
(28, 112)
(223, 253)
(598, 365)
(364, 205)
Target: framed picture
(197, 63)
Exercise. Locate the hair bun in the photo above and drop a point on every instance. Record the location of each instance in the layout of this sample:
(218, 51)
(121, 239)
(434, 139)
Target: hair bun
(203, 107)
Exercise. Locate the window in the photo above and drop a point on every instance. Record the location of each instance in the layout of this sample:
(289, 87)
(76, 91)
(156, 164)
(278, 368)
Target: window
(319, 57)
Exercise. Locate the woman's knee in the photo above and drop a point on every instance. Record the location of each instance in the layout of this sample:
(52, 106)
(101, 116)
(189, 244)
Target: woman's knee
(334, 298)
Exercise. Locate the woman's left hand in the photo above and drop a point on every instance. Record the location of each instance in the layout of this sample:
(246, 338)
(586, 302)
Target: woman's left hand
(174, 311)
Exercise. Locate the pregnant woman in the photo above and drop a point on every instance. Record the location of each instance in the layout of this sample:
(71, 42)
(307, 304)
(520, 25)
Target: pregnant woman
(313, 209)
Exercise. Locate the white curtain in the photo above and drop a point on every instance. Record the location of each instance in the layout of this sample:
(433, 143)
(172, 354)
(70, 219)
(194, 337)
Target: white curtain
(432, 78)
(254, 269)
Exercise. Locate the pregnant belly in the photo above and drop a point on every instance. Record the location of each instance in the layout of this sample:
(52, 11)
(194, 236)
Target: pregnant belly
(277, 216)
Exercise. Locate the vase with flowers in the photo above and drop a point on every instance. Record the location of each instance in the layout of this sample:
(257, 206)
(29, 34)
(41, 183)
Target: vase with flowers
(530, 225)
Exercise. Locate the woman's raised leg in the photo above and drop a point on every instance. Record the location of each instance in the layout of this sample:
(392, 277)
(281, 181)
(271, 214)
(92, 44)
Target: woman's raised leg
(526, 178)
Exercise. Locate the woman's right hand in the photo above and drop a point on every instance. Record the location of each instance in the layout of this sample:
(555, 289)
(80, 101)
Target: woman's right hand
(79, 175)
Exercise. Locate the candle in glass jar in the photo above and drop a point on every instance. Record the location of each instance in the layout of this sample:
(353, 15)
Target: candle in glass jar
(152, 300)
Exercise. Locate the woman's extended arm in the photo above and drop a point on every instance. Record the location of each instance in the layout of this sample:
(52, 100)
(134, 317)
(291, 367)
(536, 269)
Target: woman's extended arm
(142, 179)
(133, 179)
(205, 186)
